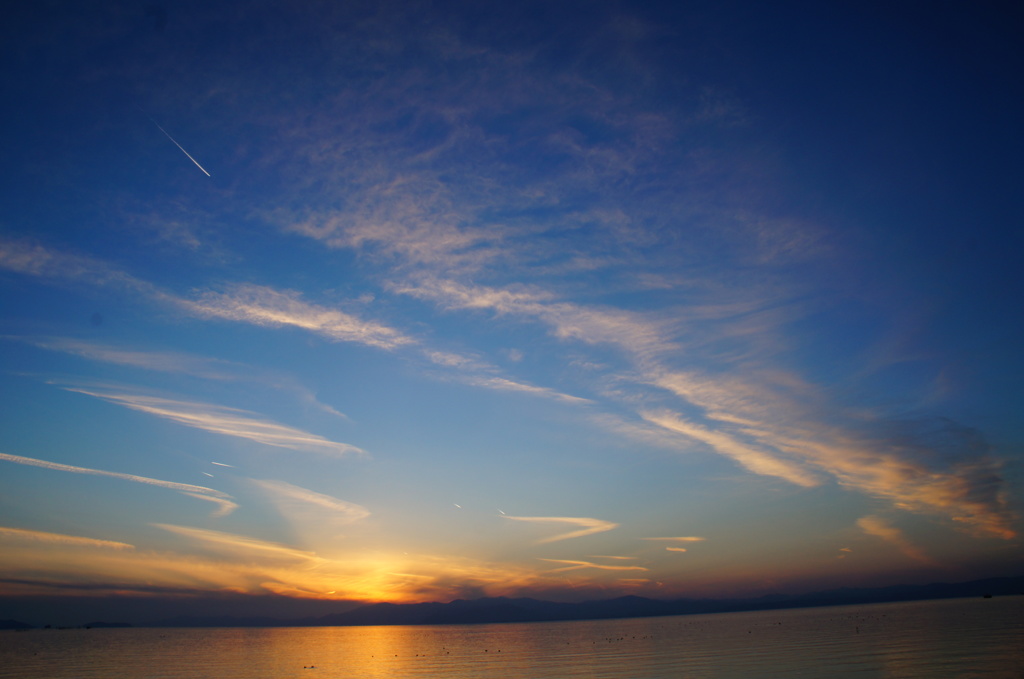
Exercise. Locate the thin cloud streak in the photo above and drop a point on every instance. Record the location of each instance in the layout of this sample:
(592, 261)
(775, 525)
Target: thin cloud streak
(761, 426)
(753, 459)
(224, 502)
(253, 304)
(332, 510)
(60, 539)
(177, 363)
(223, 420)
(969, 491)
(579, 565)
(56, 466)
(32, 259)
(636, 333)
(503, 384)
(240, 544)
(224, 507)
(879, 527)
(169, 362)
(477, 373)
(770, 429)
(260, 305)
(410, 217)
(590, 526)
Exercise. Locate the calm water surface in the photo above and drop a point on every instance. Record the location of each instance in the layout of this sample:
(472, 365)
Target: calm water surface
(951, 638)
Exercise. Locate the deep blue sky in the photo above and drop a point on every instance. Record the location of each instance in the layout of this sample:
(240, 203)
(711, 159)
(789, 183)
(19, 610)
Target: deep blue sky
(414, 301)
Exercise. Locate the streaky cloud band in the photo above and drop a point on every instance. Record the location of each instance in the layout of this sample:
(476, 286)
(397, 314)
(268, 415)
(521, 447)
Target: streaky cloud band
(224, 502)
(590, 526)
(61, 539)
(220, 420)
(56, 466)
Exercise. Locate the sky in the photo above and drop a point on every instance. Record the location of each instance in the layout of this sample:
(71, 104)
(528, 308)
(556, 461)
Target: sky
(314, 303)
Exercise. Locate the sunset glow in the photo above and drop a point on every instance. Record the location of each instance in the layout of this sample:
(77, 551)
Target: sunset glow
(561, 300)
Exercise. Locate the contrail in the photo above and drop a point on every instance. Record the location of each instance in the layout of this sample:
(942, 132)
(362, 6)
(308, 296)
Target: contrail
(180, 147)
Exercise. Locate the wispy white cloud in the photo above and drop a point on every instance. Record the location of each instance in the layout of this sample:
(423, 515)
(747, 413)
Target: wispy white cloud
(634, 332)
(178, 363)
(589, 526)
(412, 216)
(751, 457)
(762, 396)
(33, 259)
(224, 506)
(578, 565)
(60, 539)
(779, 428)
(458, 361)
(56, 466)
(504, 384)
(478, 373)
(737, 403)
(260, 305)
(915, 473)
(879, 527)
(175, 224)
(691, 538)
(327, 509)
(770, 422)
(754, 422)
(220, 420)
(255, 304)
(222, 499)
(240, 544)
(161, 361)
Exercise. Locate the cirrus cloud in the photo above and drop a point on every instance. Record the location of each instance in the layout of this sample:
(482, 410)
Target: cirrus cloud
(589, 526)
(219, 420)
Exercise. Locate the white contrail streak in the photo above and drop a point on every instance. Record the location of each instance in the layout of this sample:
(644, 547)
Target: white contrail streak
(180, 147)
(56, 466)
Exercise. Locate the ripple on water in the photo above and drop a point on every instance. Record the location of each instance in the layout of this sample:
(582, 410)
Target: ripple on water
(952, 638)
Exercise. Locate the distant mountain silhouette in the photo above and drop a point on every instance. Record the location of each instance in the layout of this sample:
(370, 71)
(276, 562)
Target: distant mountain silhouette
(17, 624)
(102, 624)
(226, 621)
(505, 610)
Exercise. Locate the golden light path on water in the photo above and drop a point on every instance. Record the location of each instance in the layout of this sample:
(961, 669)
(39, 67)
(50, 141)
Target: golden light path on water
(947, 638)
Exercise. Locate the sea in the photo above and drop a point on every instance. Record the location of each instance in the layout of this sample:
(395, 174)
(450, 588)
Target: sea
(944, 638)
